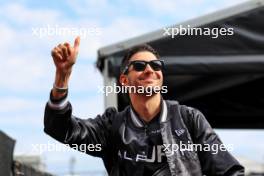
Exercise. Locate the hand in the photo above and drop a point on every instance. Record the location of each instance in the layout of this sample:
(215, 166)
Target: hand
(64, 56)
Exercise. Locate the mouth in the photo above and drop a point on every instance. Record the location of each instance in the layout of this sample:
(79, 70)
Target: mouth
(148, 80)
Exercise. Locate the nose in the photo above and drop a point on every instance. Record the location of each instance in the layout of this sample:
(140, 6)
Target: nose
(148, 69)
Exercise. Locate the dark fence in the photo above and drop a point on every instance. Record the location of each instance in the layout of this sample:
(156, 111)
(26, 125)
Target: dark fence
(9, 167)
(6, 154)
(20, 169)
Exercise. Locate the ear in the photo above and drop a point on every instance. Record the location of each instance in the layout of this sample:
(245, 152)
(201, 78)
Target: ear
(123, 80)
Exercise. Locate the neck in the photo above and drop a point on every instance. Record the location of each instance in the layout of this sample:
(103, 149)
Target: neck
(146, 106)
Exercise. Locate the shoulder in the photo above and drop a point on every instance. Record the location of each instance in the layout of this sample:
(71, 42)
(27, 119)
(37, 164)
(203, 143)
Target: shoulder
(110, 111)
(186, 111)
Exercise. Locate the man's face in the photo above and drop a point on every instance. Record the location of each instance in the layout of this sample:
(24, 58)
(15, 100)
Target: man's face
(146, 78)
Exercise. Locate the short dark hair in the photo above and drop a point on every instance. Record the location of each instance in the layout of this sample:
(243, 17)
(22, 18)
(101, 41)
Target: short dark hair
(130, 52)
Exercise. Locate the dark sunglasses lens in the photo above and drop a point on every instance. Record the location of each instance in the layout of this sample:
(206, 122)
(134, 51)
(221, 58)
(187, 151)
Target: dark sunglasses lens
(139, 66)
(156, 65)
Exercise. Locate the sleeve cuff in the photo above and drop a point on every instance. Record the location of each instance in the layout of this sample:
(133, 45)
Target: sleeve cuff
(58, 104)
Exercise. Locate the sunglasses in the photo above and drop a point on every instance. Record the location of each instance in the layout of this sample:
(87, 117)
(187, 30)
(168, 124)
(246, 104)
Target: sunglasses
(139, 65)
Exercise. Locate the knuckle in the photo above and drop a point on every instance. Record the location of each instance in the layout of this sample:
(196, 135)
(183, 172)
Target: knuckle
(53, 51)
(64, 48)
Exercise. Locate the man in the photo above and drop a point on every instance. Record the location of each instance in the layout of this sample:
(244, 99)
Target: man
(144, 138)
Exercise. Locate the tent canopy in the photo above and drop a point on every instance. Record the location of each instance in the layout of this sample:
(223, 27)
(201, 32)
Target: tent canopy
(223, 77)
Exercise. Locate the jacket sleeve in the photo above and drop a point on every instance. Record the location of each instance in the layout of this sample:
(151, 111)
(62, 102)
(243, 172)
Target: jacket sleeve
(68, 129)
(213, 162)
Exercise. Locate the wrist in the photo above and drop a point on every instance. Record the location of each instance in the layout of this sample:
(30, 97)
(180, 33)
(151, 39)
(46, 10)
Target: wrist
(60, 85)
(58, 95)
(62, 78)
(60, 89)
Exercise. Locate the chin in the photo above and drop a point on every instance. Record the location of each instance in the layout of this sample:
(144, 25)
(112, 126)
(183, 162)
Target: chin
(148, 83)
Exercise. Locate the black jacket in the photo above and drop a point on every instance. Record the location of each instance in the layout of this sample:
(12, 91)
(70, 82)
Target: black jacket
(179, 124)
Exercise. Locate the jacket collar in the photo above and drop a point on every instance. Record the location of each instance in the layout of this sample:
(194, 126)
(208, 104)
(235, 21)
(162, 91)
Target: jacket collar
(163, 115)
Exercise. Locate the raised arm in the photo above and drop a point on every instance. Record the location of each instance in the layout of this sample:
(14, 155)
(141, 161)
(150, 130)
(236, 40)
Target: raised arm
(59, 123)
(64, 57)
